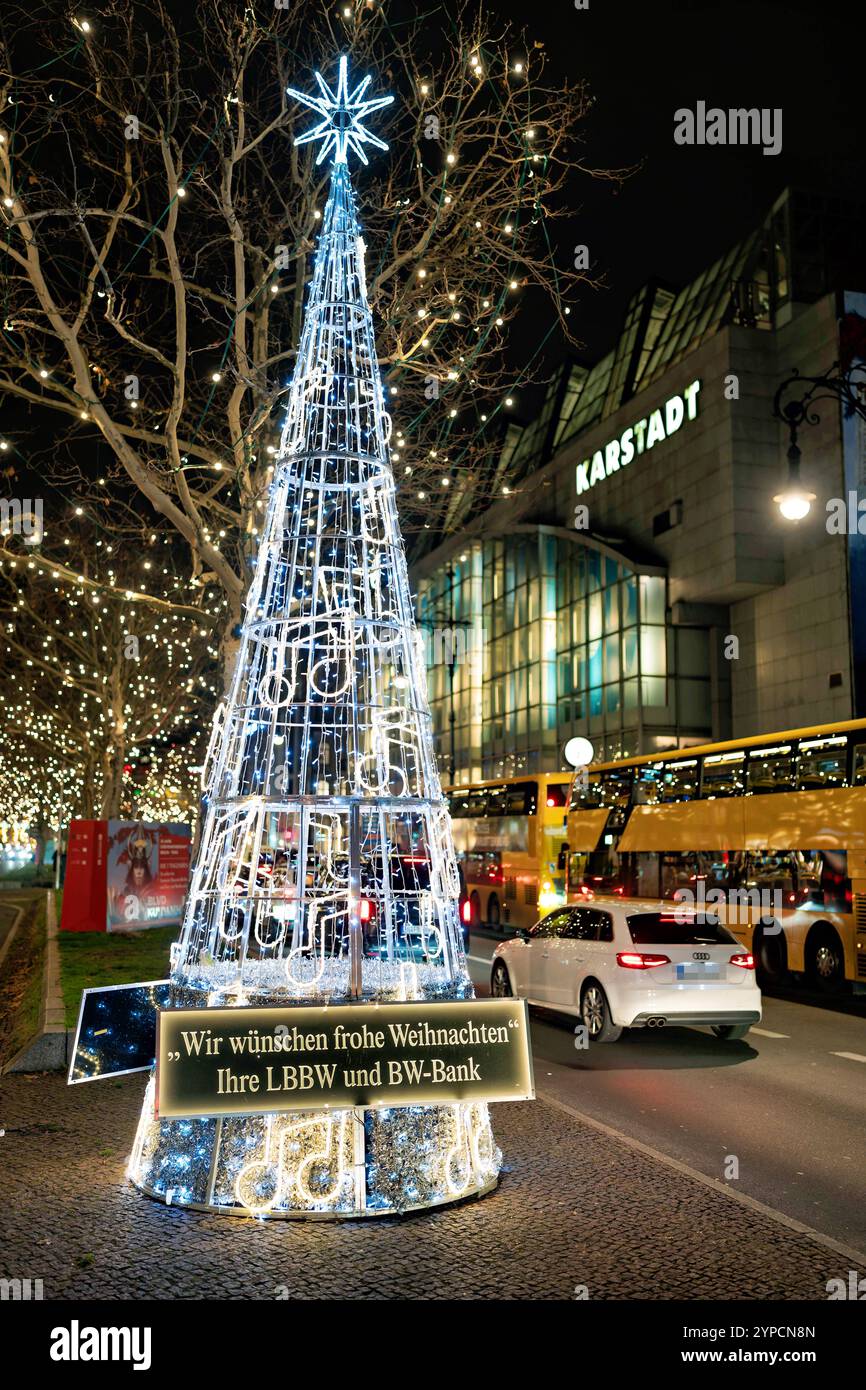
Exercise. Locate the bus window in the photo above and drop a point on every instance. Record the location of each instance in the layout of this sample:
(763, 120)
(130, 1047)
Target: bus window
(577, 866)
(648, 784)
(678, 871)
(822, 763)
(477, 803)
(835, 883)
(497, 801)
(605, 871)
(713, 868)
(860, 764)
(557, 794)
(522, 798)
(483, 866)
(772, 871)
(647, 876)
(588, 796)
(724, 774)
(616, 787)
(680, 780)
(688, 869)
(771, 770)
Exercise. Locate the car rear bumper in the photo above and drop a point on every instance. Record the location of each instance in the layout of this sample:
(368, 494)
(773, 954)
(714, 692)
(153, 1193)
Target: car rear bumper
(672, 1018)
(715, 1000)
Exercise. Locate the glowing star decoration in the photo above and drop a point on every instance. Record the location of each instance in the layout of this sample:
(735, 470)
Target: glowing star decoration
(326, 869)
(342, 127)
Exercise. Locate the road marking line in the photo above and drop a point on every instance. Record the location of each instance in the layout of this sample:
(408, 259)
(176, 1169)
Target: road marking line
(765, 1033)
(858, 1257)
(849, 1056)
(481, 960)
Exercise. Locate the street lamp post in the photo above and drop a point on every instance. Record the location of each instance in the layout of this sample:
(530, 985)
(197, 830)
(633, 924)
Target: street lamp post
(847, 386)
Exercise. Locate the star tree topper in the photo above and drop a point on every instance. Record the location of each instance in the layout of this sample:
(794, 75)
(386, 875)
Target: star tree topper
(342, 126)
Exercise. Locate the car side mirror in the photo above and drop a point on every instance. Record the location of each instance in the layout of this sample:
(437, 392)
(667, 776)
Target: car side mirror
(524, 934)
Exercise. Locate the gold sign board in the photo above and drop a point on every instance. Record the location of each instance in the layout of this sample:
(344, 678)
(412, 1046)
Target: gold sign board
(251, 1061)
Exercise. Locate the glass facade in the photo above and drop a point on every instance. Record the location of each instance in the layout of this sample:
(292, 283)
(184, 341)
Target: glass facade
(451, 623)
(537, 637)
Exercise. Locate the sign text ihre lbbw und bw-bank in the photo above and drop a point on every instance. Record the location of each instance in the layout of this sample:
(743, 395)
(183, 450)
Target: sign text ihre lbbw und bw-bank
(259, 1060)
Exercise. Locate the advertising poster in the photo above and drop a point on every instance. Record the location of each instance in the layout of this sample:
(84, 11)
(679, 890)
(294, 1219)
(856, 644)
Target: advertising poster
(148, 874)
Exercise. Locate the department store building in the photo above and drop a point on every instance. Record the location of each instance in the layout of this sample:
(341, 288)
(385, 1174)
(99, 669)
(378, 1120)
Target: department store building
(638, 584)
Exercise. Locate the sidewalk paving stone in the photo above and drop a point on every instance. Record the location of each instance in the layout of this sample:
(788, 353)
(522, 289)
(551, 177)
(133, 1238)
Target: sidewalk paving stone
(574, 1207)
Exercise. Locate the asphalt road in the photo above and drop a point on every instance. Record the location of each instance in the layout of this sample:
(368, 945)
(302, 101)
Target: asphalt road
(788, 1102)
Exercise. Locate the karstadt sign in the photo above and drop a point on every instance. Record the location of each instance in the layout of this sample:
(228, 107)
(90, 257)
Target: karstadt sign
(659, 425)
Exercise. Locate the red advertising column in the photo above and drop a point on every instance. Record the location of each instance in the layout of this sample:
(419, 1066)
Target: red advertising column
(84, 884)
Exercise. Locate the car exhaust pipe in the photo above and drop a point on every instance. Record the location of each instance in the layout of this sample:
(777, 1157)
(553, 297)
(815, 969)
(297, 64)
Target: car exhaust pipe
(656, 1022)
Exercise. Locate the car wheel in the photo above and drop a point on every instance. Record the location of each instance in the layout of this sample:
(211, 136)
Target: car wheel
(826, 961)
(493, 914)
(771, 956)
(474, 910)
(731, 1032)
(595, 1014)
(500, 982)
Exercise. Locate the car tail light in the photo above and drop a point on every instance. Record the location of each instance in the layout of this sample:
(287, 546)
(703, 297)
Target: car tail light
(366, 910)
(638, 960)
(467, 912)
(746, 961)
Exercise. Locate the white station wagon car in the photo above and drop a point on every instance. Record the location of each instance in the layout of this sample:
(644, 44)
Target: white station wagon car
(615, 966)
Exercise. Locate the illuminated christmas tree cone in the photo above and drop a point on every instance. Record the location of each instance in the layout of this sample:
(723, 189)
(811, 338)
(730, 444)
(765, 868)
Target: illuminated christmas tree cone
(326, 869)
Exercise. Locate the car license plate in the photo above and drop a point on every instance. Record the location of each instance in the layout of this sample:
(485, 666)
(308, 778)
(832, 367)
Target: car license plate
(699, 970)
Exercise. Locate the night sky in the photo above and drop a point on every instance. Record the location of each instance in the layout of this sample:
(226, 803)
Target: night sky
(686, 206)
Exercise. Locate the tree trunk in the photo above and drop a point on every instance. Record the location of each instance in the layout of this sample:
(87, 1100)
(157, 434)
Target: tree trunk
(114, 755)
(230, 645)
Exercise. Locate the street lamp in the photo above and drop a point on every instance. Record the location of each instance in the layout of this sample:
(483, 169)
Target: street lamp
(795, 501)
(579, 752)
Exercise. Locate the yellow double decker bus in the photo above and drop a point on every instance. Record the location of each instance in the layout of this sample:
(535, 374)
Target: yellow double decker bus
(510, 838)
(769, 831)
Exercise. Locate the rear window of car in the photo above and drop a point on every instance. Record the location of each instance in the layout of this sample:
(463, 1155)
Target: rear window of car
(666, 929)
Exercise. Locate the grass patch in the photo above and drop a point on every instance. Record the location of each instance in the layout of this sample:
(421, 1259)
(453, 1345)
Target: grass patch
(21, 991)
(89, 959)
(29, 876)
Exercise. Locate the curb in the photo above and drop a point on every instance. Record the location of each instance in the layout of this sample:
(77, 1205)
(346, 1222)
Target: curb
(49, 1049)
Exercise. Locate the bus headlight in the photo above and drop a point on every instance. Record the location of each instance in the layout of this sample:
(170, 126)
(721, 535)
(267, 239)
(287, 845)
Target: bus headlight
(549, 896)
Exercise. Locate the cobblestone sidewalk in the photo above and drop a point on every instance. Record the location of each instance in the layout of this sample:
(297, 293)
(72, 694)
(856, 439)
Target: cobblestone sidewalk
(575, 1207)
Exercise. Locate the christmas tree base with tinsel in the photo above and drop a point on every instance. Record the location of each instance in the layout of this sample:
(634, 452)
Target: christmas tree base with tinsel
(352, 1163)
